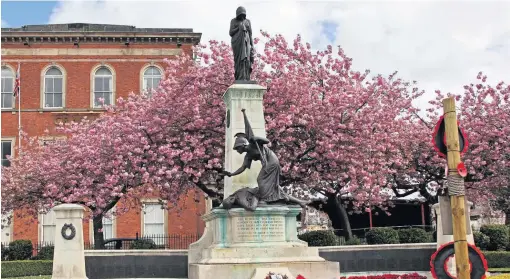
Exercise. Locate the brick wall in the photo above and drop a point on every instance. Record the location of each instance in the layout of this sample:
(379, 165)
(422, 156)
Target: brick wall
(185, 217)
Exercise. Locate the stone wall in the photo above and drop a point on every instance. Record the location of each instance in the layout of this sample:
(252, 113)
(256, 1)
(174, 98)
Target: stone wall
(173, 263)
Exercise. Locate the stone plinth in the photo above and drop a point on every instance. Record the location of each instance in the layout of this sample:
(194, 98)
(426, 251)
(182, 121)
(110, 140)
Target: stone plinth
(237, 243)
(444, 221)
(69, 256)
(444, 227)
(237, 97)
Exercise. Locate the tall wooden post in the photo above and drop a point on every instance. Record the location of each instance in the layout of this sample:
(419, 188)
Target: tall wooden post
(456, 189)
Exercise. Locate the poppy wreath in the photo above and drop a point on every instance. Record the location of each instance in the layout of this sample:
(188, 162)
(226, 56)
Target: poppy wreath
(439, 260)
(64, 231)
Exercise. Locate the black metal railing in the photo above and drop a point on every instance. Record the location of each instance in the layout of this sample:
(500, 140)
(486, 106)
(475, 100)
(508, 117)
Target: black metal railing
(171, 242)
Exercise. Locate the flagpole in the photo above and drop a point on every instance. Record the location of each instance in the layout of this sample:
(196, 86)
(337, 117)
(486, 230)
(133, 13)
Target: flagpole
(19, 110)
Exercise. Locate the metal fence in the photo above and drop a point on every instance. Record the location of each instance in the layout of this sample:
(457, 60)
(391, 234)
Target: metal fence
(171, 241)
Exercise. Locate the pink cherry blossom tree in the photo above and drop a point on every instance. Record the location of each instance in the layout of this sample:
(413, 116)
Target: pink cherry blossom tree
(483, 112)
(336, 132)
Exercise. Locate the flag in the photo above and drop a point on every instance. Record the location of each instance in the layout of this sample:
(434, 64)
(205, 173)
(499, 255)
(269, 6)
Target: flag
(17, 83)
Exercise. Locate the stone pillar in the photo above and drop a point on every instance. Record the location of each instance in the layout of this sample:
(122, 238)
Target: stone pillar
(444, 227)
(250, 97)
(69, 257)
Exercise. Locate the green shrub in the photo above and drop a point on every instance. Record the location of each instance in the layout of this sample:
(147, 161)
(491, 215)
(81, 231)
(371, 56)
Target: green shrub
(319, 238)
(353, 241)
(143, 244)
(5, 253)
(497, 258)
(382, 236)
(498, 235)
(26, 268)
(46, 253)
(414, 235)
(482, 241)
(20, 250)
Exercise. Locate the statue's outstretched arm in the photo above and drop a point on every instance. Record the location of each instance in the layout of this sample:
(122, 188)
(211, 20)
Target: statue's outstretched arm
(239, 171)
(246, 165)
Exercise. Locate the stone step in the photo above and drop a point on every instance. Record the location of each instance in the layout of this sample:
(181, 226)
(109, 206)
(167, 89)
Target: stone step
(260, 255)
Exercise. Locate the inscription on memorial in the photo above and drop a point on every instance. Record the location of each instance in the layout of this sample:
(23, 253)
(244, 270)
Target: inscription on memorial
(260, 228)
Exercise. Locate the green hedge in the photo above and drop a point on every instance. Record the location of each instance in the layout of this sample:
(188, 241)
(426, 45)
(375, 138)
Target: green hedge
(26, 268)
(353, 241)
(414, 235)
(46, 253)
(319, 238)
(18, 250)
(497, 258)
(382, 236)
(144, 244)
(499, 236)
(482, 241)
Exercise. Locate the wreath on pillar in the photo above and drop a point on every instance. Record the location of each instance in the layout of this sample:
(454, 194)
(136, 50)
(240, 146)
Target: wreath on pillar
(66, 227)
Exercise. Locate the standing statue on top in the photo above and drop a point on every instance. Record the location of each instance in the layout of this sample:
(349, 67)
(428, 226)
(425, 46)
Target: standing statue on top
(242, 45)
(268, 180)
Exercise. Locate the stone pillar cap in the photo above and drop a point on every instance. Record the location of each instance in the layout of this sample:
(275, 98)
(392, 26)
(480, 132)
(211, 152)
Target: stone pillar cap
(68, 207)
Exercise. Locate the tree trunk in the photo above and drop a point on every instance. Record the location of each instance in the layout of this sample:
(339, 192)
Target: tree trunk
(507, 217)
(98, 232)
(338, 216)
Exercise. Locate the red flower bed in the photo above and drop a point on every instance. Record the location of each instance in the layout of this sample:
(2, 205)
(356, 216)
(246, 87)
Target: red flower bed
(388, 276)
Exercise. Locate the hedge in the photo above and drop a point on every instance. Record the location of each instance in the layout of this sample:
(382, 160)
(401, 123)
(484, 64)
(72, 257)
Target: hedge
(319, 238)
(26, 268)
(46, 253)
(499, 236)
(414, 235)
(482, 241)
(353, 241)
(143, 244)
(497, 258)
(18, 250)
(382, 236)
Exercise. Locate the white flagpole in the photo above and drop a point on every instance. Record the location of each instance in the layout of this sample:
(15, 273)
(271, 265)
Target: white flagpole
(19, 109)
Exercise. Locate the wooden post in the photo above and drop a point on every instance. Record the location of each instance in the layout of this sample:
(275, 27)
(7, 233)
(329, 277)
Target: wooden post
(457, 196)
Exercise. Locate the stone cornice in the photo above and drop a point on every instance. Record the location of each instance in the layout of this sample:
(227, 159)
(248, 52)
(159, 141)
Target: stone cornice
(66, 37)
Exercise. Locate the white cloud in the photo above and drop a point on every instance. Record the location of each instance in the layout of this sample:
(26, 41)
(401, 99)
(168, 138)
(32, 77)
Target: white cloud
(5, 24)
(440, 44)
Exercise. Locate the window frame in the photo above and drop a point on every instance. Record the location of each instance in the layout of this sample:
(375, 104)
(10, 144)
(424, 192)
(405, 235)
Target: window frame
(43, 86)
(13, 142)
(13, 71)
(11, 229)
(145, 68)
(41, 228)
(114, 227)
(93, 83)
(142, 215)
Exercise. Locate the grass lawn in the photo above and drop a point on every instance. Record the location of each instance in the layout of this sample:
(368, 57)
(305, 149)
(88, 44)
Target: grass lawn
(501, 269)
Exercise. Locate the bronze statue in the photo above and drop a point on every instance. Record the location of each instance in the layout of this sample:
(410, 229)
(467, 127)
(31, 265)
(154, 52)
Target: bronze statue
(268, 180)
(242, 45)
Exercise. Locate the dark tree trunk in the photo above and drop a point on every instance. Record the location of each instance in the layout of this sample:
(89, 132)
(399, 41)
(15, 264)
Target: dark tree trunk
(337, 214)
(98, 232)
(507, 217)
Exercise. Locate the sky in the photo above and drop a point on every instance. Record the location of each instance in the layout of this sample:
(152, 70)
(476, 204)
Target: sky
(439, 43)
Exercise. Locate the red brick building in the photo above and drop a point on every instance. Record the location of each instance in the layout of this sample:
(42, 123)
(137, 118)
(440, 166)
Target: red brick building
(65, 69)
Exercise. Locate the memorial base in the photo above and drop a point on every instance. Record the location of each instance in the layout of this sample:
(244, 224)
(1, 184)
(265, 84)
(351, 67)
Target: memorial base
(239, 244)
